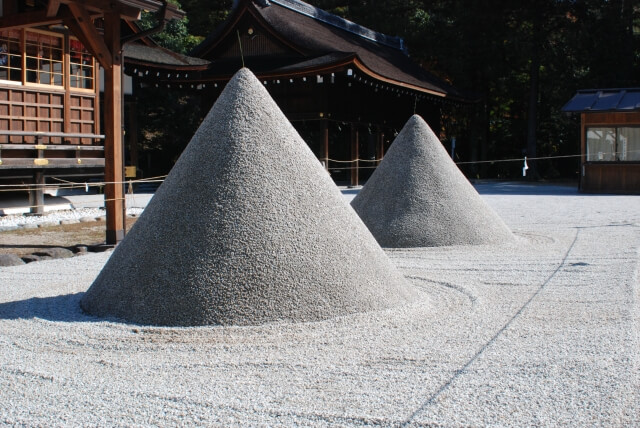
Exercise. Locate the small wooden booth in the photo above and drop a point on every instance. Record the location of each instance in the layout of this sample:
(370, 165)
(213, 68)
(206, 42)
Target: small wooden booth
(50, 119)
(610, 139)
(347, 89)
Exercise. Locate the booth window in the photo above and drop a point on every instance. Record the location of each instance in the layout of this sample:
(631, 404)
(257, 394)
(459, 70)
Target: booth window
(629, 143)
(613, 144)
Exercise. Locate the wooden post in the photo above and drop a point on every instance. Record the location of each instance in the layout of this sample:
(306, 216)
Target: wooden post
(354, 154)
(583, 152)
(113, 148)
(66, 118)
(325, 143)
(36, 195)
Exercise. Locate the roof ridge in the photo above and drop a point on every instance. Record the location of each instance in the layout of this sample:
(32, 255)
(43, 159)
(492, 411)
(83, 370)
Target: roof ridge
(632, 89)
(342, 23)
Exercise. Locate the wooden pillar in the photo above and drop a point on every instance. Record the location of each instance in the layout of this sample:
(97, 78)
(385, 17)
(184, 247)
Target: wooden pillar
(36, 194)
(583, 152)
(66, 117)
(354, 154)
(113, 148)
(325, 144)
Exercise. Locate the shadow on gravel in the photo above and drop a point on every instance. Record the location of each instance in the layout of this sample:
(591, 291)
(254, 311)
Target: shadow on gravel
(19, 246)
(64, 308)
(519, 188)
(350, 191)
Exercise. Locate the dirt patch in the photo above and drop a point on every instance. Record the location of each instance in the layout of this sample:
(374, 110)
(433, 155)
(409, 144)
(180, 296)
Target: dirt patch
(26, 241)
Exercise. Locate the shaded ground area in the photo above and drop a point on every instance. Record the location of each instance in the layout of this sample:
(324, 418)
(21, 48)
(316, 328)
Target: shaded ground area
(25, 241)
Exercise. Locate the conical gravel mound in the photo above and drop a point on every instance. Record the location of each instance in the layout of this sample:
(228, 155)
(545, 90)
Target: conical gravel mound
(247, 228)
(417, 197)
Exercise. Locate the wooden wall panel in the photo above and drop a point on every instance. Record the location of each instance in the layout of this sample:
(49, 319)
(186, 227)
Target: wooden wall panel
(82, 116)
(611, 119)
(28, 109)
(611, 178)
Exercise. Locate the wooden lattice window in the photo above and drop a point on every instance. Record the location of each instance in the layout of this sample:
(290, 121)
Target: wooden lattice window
(35, 57)
(44, 55)
(82, 66)
(10, 56)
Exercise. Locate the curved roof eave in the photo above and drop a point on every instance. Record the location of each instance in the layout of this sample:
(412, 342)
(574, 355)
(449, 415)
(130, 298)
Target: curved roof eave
(312, 39)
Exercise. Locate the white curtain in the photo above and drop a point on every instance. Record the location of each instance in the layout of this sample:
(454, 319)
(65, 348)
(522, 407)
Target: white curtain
(629, 144)
(601, 144)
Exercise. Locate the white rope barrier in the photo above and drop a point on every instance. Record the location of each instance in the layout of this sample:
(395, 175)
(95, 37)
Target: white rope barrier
(66, 184)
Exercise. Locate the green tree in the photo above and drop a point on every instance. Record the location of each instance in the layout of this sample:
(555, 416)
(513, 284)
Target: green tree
(175, 35)
(205, 15)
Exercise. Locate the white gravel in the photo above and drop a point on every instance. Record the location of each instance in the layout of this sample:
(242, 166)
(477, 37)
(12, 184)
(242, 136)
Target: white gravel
(55, 217)
(51, 217)
(543, 332)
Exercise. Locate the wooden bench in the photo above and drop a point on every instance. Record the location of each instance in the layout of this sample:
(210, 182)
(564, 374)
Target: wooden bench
(34, 157)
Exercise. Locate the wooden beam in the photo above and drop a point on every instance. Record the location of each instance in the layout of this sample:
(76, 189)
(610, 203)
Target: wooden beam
(32, 19)
(113, 148)
(107, 6)
(52, 8)
(77, 31)
(88, 34)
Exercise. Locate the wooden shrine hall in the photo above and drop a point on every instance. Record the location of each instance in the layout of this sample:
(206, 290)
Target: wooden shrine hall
(347, 89)
(50, 118)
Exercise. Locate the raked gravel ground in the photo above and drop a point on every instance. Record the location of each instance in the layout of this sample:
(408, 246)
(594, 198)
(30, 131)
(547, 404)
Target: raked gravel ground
(542, 332)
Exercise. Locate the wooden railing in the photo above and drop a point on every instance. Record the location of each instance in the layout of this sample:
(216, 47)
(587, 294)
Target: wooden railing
(39, 157)
(35, 155)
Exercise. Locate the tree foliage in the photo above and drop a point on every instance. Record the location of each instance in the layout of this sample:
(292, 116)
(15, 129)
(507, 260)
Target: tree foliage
(523, 60)
(166, 118)
(176, 35)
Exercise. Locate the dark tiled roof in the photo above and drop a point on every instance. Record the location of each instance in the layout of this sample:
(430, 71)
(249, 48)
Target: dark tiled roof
(594, 100)
(343, 24)
(276, 66)
(323, 38)
(156, 55)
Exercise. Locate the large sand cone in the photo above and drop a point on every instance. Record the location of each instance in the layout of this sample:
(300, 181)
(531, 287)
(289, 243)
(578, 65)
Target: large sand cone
(417, 197)
(247, 228)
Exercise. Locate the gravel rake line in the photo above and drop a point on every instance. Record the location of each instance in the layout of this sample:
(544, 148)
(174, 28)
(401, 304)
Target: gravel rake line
(449, 285)
(499, 333)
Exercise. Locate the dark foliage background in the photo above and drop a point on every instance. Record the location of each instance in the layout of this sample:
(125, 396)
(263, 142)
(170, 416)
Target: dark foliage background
(521, 60)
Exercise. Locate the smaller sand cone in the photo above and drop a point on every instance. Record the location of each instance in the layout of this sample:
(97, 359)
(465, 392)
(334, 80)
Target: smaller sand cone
(417, 197)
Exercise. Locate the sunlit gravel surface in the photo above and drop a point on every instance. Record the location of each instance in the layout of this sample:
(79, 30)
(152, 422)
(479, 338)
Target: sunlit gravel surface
(541, 332)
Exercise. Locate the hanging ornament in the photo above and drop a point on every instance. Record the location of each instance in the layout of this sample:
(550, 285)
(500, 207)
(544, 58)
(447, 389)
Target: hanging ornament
(525, 167)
